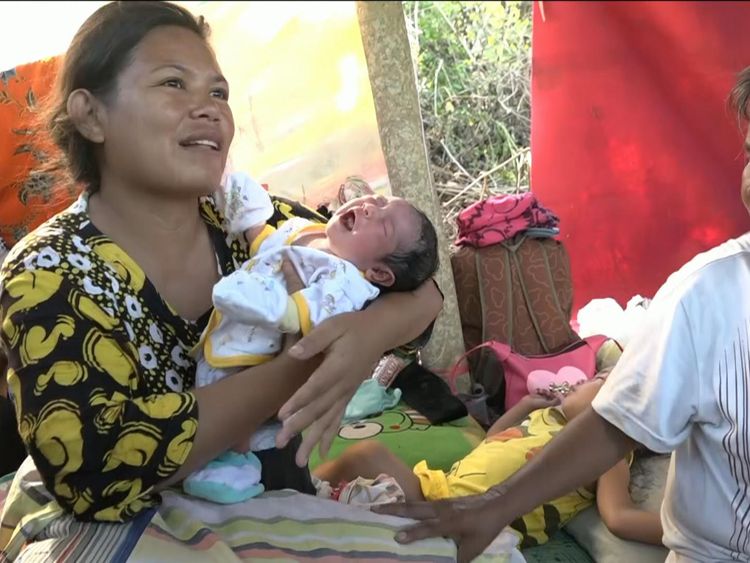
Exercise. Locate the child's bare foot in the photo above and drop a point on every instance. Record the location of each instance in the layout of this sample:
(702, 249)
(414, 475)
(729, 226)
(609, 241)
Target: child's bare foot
(370, 459)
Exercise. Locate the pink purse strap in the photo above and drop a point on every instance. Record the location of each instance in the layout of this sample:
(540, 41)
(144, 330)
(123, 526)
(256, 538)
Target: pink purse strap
(502, 350)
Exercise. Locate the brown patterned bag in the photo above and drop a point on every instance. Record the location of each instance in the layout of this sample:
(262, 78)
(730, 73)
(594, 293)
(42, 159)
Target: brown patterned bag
(518, 292)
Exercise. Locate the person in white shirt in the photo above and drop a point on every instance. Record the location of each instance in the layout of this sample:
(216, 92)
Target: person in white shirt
(681, 386)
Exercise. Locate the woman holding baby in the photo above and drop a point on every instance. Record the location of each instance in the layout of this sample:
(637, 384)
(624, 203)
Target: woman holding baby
(101, 306)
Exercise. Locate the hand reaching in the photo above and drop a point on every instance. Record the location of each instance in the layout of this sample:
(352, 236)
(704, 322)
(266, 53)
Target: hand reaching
(320, 403)
(471, 521)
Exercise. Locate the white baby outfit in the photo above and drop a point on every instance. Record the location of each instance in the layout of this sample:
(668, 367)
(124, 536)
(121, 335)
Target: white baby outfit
(252, 311)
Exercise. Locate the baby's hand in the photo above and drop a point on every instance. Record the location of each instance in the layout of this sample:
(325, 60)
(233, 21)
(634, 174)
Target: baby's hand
(252, 233)
(293, 281)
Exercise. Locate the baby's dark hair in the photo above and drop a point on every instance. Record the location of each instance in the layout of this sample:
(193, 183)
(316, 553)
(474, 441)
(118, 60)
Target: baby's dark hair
(414, 266)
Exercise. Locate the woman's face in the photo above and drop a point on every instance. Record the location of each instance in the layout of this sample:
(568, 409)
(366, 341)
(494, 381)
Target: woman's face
(168, 125)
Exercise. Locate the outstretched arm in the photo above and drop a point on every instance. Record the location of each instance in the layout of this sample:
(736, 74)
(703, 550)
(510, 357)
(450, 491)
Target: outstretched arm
(474, 521)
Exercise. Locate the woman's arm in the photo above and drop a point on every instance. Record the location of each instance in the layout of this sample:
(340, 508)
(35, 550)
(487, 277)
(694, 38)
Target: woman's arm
(352, 344)
(101, 439)
(233, 408)
(230, 407)
(623, 518)
(400, 317)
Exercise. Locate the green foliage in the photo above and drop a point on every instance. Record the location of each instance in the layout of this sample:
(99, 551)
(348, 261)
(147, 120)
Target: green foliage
(473, 64)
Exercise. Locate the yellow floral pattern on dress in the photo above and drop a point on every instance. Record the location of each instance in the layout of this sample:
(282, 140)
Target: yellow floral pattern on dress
(99, 364)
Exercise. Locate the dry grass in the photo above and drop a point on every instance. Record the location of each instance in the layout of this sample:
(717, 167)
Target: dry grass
(474, 66)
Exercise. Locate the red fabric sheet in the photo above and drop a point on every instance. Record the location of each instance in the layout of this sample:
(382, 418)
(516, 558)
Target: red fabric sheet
(632, 142)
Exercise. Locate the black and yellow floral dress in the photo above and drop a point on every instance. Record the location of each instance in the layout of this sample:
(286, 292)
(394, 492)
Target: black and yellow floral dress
(99, 370)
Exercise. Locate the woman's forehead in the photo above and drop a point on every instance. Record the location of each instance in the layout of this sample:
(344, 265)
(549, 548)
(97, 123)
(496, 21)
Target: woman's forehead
(177, 47)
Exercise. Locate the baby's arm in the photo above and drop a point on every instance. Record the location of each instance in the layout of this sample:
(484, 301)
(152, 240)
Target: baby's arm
(246, 206)
(332, 292)
(623, 518)
(252, 234)
(251, 298)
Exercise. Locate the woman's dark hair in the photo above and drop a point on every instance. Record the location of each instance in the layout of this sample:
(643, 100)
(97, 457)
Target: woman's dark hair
(100, 50)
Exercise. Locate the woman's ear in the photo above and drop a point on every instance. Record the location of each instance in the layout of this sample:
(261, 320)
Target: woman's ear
(381, 275)
(86, 114)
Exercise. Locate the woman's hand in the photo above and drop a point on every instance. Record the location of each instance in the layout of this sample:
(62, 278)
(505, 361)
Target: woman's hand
(319, 404)
(352, 344)
(322, 413)
(472, 522)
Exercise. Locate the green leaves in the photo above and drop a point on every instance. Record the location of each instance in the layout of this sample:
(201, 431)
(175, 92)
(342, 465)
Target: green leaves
(474, 63)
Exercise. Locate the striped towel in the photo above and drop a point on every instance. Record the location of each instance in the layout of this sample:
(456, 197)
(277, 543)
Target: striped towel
(280, 525)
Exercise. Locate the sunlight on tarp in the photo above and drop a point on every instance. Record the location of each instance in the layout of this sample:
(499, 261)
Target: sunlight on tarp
(300, 91)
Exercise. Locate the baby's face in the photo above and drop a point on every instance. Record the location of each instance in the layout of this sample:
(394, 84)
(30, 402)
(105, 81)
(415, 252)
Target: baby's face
(580, 397)
(367, 229)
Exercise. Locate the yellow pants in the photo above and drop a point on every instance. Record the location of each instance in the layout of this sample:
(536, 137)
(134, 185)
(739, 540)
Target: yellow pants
(496, 459)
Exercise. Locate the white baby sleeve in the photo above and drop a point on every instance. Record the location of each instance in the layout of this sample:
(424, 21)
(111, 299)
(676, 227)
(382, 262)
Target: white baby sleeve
(341, 289)
(243, 202)
(254, 299)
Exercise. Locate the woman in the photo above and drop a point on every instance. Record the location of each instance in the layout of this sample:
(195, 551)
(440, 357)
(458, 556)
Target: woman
(101, 305)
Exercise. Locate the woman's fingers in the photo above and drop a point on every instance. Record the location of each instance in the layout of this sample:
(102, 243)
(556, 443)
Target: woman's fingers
(414, 510)
(310, 438)
(432, 528)
(319, 427)
(329, 380)
(320, 338)
(332, 430)
(312, 435)
(318, 405)
(315, 404)
(321, 418)
(316, 396)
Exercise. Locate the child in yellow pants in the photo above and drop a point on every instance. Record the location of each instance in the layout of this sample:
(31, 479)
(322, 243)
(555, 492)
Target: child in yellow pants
(512, 441)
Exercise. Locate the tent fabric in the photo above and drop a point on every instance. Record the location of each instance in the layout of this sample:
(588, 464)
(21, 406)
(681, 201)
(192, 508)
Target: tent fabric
(632, 141)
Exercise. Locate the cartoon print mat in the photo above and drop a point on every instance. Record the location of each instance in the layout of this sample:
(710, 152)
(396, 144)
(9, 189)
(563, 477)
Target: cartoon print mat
(411, 437)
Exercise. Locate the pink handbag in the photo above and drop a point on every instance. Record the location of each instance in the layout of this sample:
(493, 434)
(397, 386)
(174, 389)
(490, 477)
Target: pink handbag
(528, 374)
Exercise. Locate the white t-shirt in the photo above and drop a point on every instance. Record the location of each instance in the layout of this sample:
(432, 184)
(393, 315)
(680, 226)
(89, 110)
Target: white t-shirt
(683, 386)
